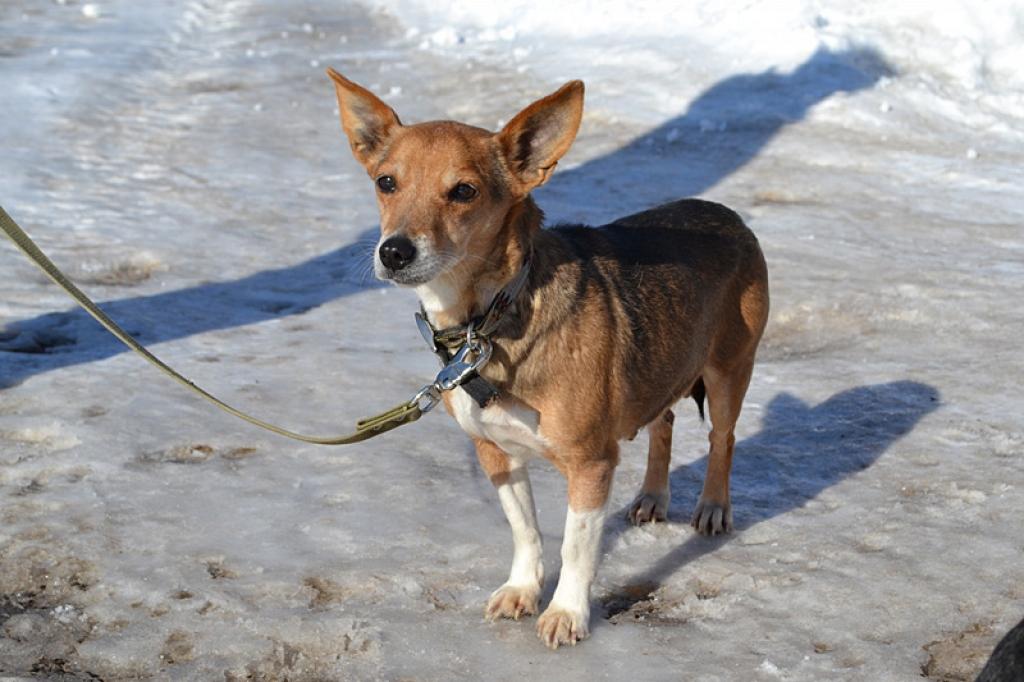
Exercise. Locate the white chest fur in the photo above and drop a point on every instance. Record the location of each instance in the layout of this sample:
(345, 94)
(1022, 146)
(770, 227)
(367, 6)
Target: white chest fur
(513, 428)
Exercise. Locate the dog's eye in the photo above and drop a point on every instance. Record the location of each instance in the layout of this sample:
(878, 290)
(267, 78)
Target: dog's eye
(386, 184)
(462, 192)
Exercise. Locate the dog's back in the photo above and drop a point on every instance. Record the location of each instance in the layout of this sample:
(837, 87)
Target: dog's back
(678, 278)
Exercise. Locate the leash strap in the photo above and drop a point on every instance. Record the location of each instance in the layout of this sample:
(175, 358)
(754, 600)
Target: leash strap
(365, 428)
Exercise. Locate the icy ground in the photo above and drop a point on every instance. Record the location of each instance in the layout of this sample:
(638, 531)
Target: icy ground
(184, 162)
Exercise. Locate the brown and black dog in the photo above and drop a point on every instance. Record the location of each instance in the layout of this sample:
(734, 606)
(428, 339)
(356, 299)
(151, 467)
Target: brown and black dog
(614, 325)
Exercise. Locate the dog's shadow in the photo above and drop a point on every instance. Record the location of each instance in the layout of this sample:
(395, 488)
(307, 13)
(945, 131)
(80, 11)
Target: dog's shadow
(799, 452)
(722, 130)
(56, 340)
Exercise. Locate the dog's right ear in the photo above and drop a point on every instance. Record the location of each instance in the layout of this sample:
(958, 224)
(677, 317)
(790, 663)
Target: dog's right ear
(367, 121)
(540, 134)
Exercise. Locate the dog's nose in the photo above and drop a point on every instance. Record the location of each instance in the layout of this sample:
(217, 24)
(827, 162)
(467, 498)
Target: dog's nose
(397, 252)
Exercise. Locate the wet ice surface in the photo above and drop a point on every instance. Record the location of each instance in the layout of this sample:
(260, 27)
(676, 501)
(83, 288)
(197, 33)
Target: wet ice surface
(183, 161)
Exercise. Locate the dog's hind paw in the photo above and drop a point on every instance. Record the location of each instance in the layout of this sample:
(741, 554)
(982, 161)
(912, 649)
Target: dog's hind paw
(512, 601)
(712, 518)
(558, 626)
(648, 507)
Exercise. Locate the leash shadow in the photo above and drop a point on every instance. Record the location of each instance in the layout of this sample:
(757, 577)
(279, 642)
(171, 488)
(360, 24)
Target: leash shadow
(800, 451)
(721, 131)
(56, 340)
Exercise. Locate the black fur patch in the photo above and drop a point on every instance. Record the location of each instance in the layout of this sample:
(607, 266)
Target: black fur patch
(698, 393)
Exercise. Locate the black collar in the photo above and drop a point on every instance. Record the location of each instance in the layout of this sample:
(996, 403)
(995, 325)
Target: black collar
(484, 325)
(446, 342)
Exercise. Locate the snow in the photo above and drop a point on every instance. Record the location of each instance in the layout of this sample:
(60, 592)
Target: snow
(183, 161)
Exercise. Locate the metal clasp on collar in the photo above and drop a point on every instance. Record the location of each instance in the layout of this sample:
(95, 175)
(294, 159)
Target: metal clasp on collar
(469, 360)
(427, 398)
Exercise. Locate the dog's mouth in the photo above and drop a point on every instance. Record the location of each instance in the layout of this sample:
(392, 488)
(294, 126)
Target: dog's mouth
(407, 277)
(426, 266)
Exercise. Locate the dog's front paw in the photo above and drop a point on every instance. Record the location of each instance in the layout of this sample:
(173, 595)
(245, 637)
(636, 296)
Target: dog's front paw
(648, 507)
(559, 626)
(712, 518)
(512, 601)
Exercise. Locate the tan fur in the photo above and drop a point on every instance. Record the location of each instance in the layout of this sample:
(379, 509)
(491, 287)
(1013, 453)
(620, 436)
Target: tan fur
(492, 460)
(614, 326)
(652, 502)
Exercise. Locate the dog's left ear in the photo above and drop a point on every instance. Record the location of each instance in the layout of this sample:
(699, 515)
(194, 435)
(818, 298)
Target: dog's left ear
(367, 121)
(540, 134)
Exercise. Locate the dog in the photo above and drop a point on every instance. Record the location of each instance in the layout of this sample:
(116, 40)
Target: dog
(612, 326)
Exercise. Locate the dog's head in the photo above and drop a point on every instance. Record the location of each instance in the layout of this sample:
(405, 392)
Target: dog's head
(444, 189)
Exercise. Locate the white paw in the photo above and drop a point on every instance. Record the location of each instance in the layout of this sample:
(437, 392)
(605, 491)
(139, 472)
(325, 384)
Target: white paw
(512, 601)
(560, 626)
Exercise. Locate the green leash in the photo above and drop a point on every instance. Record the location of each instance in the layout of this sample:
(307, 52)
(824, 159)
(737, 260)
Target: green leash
(401, 414)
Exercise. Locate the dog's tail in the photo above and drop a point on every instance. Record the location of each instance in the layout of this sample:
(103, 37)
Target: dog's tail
(697, 393)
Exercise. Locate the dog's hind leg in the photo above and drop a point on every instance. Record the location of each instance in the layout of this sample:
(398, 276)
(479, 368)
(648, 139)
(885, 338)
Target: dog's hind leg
(725, 391)
(521, 592)
(651, 504)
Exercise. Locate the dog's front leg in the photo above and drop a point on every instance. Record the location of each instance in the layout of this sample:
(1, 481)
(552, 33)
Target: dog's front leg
(521, 592)
(566, 620)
